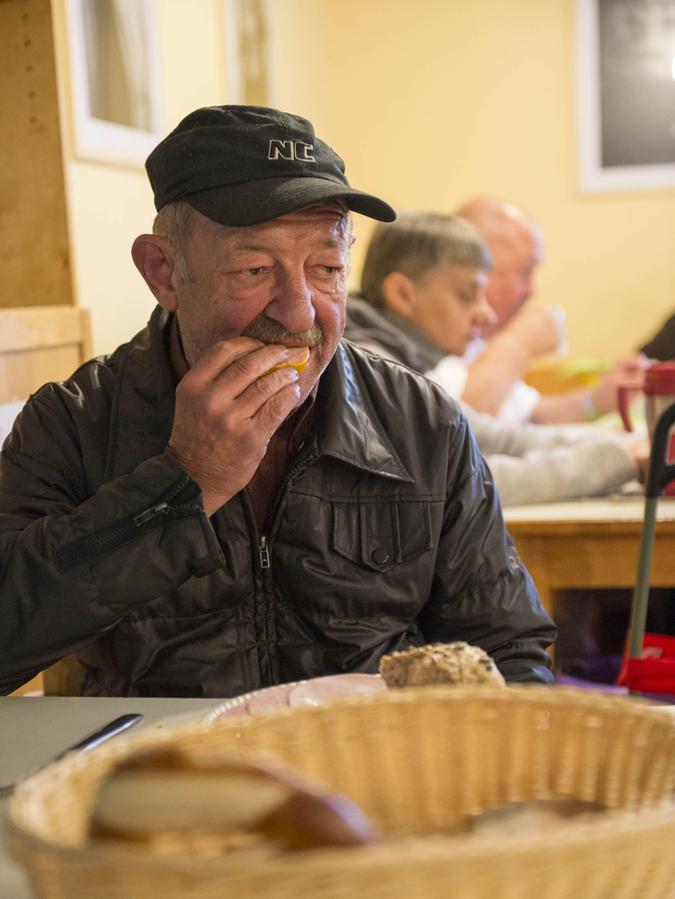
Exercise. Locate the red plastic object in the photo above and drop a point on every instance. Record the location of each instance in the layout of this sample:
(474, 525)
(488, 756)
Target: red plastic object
(654, 671)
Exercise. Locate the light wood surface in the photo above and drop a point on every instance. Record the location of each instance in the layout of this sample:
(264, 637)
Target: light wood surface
(590, 544)
(34, 251)
(40, 344)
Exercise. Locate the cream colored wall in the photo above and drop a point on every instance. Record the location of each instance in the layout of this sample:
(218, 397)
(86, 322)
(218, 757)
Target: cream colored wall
(430, 103)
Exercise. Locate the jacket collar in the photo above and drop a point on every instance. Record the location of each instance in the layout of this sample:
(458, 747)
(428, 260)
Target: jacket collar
(143, 409)
(350, 429)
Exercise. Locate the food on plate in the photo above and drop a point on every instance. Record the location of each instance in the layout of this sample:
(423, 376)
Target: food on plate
(169, 800)
(298, 364)
(440, 663)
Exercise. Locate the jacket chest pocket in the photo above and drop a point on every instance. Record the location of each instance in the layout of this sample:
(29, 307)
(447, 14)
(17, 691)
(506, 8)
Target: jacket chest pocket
(380, 535)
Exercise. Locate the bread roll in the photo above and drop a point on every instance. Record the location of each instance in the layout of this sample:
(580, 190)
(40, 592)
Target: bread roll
(440, 663)
(165, 799)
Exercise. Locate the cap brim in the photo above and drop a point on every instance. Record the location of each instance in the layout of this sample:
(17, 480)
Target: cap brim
(254, 202)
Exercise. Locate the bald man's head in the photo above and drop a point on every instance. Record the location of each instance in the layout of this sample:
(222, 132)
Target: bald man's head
(517, 247)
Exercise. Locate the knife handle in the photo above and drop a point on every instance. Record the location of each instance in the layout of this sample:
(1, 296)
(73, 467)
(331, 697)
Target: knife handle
(102, 734)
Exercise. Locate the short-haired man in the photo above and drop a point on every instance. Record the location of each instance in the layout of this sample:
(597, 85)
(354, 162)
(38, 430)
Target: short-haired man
(422, 301)
(522, 332)
(195, 514)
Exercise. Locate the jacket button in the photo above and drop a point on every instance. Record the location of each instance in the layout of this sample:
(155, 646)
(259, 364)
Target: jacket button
(380, 556)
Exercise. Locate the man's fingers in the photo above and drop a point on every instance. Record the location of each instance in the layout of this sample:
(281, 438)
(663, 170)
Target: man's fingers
(264, 390)
(230, 366)
(278, 407)
(223, 353)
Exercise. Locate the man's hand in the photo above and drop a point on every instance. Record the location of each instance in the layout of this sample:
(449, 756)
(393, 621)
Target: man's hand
(540, 330)
(629, 373)
(227, 408)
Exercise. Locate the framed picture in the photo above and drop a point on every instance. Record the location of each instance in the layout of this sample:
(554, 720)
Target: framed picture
(115, 79)
(626, 93)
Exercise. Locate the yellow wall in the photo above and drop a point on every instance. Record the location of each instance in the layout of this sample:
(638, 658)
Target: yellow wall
(430, 102)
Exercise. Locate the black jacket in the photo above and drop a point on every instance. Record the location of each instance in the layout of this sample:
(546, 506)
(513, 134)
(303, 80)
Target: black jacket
(387, 533)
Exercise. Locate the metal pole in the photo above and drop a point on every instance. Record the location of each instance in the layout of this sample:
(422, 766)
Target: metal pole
(638, 612)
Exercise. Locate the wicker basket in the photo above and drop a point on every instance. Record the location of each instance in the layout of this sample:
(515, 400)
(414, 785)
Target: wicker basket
(418, 762)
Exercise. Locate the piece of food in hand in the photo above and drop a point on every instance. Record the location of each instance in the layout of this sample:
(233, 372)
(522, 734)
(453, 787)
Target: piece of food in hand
(298, 359)
(161, 796)
(440, 663)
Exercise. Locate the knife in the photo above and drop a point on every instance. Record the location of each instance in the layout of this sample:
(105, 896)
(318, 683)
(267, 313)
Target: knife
(111, 729)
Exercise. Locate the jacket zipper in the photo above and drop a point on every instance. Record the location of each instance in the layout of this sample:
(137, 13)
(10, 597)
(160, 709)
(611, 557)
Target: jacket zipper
(115, 535)
(264, 553)
(268, 671)
(263, 548)
(149, 514)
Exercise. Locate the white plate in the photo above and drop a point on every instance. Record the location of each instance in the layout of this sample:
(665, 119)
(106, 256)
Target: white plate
(314, 692)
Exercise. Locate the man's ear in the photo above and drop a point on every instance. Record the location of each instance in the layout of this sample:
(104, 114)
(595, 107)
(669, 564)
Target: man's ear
(154, 260)
(399, 294)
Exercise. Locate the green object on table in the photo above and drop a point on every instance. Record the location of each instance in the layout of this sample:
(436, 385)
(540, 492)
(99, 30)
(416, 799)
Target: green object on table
(585, 366)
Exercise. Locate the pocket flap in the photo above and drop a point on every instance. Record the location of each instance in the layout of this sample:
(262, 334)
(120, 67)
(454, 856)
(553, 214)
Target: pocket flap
(380, 535)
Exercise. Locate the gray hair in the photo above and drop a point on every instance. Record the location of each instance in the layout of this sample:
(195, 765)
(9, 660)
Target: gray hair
(174, 221)
(416, 243)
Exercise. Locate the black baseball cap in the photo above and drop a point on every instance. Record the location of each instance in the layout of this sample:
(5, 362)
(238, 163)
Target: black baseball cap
(241, 165)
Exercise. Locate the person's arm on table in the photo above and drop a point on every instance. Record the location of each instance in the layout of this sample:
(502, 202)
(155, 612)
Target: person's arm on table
(482, 593)
(534, 464)
(592, 468)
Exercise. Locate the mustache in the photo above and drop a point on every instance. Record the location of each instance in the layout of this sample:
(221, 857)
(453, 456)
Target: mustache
(267, 330)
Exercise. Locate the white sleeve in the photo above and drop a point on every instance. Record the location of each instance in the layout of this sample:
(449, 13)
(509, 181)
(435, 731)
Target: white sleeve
(450, 374)
(519, 404)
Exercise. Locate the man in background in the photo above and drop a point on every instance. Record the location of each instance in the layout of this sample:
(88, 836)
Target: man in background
(422, 301)
(523, 332)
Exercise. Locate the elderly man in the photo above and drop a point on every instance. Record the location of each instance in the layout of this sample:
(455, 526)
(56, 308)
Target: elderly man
(198, 514)
(494, 369)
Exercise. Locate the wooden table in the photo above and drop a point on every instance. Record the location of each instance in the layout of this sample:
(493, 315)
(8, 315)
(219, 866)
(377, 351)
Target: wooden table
(590, 543)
